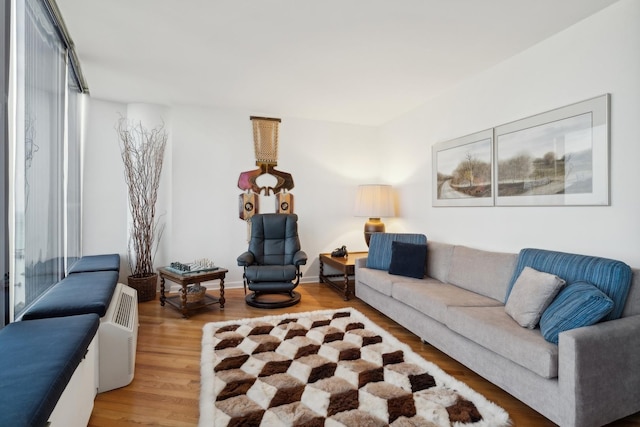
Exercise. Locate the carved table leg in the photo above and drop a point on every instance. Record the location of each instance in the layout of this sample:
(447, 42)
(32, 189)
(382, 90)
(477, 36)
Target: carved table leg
(346, 286)
(183, 300)
(162, 296)
(321, 271)
(222, 300)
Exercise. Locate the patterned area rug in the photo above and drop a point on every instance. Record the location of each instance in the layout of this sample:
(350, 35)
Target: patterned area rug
(328, 368)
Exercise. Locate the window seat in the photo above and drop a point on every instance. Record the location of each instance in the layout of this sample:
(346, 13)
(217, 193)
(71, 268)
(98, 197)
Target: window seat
(78, 293)
(51, 358)
(38, 359)
(107, 262)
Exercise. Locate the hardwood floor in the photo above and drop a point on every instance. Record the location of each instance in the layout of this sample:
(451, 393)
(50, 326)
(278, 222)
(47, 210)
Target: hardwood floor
(166, 387)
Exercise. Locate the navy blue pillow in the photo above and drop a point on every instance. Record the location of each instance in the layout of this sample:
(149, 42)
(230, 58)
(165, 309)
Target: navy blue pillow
(380, 247)
(408, 259)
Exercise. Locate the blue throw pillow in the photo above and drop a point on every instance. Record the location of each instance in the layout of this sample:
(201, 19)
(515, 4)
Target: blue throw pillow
(408, 259)
(577, 305)
(380, 247)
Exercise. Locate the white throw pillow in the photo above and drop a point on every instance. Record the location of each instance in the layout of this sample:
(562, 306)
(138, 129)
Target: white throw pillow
(531, 294)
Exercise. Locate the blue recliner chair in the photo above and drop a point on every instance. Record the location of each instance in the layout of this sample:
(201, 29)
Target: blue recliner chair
(272, 263)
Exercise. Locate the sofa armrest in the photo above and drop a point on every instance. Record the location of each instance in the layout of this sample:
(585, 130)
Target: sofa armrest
(598, 367)
(361, 262)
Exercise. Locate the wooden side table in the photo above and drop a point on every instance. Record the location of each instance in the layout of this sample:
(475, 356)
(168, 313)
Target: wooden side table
(346, 266)
(184, 280)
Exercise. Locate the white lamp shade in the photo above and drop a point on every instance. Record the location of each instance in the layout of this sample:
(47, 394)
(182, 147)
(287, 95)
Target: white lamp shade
(375, 201)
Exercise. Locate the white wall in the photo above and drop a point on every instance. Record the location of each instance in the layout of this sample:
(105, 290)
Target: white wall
(209, 149)
(598, 55)
(105, 204)
(104, 192)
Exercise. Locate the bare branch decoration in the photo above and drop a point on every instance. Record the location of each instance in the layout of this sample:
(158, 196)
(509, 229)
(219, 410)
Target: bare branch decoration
(142, 153)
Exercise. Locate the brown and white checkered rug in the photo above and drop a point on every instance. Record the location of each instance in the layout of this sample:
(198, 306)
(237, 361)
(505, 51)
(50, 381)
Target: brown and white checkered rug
(328, 368)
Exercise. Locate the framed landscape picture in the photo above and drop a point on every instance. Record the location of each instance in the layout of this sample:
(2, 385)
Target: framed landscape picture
(557, 158)
(463, 171)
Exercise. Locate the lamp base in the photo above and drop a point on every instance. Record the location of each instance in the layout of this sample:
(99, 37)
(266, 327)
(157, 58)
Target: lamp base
(374, 225)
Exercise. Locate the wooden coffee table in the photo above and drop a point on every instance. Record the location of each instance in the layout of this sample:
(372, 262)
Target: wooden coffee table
(346, 268)
(185, 280)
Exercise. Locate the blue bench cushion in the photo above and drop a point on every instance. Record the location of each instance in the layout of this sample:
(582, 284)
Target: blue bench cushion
(78, 293)
(612, 277)
(38, 358)
(380, 247)
(110, 262)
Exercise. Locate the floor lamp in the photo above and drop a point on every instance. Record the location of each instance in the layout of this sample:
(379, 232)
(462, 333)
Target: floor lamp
(374, 201)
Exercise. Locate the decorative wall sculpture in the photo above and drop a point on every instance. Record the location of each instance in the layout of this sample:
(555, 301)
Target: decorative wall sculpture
(265, 142)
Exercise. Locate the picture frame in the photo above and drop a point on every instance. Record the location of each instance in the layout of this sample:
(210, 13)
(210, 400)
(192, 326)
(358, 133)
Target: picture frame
(556, 158)
(463, 171)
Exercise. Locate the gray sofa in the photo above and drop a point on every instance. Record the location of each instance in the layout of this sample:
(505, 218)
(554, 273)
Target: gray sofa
(590, 378)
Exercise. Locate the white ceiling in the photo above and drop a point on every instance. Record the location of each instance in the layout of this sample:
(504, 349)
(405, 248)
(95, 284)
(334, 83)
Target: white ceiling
(355, 61)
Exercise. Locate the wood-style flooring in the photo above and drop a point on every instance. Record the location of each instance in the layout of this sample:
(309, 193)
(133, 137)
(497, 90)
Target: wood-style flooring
(166, 387)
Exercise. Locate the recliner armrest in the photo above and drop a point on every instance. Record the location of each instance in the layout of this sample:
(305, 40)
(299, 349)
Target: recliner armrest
(300, 258)
(246, 259)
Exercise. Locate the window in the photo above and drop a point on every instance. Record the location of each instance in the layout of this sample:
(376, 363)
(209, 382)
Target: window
(4, 163)
(73, 169)
(46, 150)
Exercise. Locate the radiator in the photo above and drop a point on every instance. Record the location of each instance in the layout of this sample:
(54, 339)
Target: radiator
(118, 336)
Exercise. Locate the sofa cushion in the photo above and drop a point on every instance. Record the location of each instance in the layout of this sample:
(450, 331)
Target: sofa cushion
(610, 276)
(439, 260)
(408, 259)
(579, 304)
(108, 262)
(379, 280)
(531, 295)
(78, 293)
(434, 298)
(483, 272)
(492, 328)
(38, 358)
(379, 256)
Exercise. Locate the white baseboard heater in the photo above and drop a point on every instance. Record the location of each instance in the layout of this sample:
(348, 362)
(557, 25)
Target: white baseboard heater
(118, 335)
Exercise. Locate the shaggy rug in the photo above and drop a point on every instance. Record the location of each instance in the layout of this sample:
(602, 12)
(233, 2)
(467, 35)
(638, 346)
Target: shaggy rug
(328, 368)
